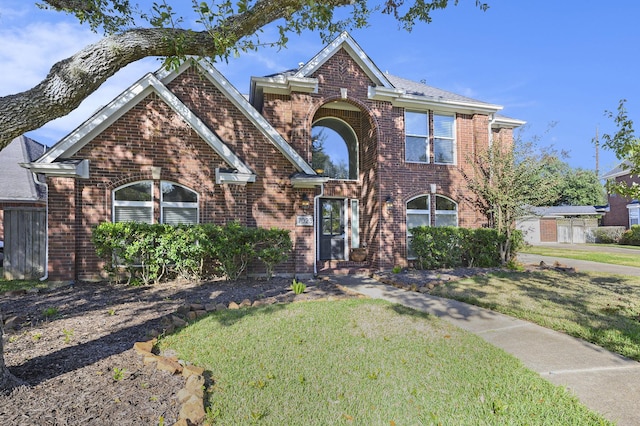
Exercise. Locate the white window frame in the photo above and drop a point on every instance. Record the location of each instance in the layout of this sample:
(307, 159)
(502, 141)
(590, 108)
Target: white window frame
(426, 212)
(634, 213)
(451, 138)
(182, 205)
(426, 137)
(445, 212)
(355, 224)
(355, 141)
(120, 203)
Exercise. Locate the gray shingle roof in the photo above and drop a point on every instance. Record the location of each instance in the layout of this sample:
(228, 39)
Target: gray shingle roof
(420, 89)
(16, 183)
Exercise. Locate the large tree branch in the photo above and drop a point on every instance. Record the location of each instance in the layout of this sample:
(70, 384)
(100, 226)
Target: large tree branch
(71, 80)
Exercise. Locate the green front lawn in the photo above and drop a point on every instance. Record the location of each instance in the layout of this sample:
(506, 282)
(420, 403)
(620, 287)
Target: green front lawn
(625, 259)
(362, 362)
(600, 308)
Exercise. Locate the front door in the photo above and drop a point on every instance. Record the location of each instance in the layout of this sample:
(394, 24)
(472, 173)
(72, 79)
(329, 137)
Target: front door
(332, 229)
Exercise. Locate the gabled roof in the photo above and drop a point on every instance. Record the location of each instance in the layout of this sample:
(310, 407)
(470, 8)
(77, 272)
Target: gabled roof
(241, 102)
(346, 42)
(399, 91)
(621, 169)
(53, 162)
(16, 183)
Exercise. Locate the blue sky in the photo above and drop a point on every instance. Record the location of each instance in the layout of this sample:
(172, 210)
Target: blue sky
(545, 61)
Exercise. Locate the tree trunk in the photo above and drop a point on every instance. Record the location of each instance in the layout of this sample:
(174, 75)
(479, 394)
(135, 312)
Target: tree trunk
(7, 380)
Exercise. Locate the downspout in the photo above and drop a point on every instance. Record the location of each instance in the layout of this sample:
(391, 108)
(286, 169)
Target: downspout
(316, 213)
(46, 225)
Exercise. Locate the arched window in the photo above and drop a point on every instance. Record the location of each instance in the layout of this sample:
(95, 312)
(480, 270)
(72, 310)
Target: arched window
(446, 212)
(134, 203)
(178, 203)
(419, 214)
(334, 149)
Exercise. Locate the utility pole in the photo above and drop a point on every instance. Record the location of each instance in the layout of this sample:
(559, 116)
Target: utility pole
(597, 142)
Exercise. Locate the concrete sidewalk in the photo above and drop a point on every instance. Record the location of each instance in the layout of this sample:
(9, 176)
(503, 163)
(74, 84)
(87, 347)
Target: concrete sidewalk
(605, 382)
(580, 265)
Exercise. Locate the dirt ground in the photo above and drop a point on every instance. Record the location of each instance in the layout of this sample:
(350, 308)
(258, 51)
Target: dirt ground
(72, 345)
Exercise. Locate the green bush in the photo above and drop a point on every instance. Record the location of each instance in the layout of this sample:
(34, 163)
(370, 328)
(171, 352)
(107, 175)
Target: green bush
(450, 247)
(631, 237)
(149, 253)
(608, 234)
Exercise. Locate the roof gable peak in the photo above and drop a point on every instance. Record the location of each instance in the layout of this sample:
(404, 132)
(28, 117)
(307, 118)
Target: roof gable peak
(346, 42)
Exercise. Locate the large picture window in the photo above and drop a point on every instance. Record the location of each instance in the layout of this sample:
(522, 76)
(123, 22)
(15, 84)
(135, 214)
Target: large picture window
(134, 203)
(334, 149)
(419, 141)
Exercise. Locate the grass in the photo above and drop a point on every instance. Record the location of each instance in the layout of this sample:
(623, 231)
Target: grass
(625, 259)
(362, 362)
(600, 308)
(13, 285)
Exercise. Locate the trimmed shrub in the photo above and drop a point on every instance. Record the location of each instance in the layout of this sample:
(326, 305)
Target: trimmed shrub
(608, 234)
(450, 247)
(631, 237)
(149, 253)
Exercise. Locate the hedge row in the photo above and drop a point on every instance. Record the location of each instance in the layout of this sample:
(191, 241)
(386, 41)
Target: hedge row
(631, 237)
(450, 247)
(150, 253)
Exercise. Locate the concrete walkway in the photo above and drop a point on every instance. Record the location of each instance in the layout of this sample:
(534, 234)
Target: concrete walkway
(581, 265)
(605, 382)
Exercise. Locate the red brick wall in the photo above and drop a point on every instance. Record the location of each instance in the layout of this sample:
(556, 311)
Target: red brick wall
(383, 172)
(618, 214)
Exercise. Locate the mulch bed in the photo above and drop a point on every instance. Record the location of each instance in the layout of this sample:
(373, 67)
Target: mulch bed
(70, 358)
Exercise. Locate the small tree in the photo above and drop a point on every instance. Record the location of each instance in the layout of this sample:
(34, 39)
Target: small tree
(505, 180)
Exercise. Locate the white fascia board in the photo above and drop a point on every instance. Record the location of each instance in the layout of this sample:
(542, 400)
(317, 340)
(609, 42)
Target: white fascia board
(65, 169)
(261, 123)
(308, 181)
(344, 40)
(286, 85)
(399, 98)
(509, 123)
(234, 178)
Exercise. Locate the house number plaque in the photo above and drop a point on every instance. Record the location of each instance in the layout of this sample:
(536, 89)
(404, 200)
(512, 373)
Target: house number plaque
(306, 220)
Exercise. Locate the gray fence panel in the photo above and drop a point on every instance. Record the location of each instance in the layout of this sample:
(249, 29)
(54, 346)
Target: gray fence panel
(24, 243)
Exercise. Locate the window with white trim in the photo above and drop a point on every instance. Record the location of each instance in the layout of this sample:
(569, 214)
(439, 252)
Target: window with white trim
(419, 142)
(416, 128)
(418, 214)
(444, 138)
(178, 204)
(134, 203)
(634, 214)
(446, 212)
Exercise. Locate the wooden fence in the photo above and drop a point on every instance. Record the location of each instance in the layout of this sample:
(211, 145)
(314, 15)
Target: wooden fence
(24, 243)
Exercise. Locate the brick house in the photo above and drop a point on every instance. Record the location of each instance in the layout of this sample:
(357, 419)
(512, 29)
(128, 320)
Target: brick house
(336, 151)
(623, 211)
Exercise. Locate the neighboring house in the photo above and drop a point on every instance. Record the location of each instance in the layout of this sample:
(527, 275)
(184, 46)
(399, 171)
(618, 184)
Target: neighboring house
(17, 185)
(339, 153)
(623, 211)
(18, 189)
(560, 224)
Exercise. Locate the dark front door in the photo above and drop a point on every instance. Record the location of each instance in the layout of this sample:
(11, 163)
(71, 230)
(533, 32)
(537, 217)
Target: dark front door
(332, 229)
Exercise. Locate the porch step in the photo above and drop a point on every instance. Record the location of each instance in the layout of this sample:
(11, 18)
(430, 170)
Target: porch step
(341, 267)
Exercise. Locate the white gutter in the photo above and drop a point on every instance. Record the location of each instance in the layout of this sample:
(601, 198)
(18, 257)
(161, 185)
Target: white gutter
(46, 226)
